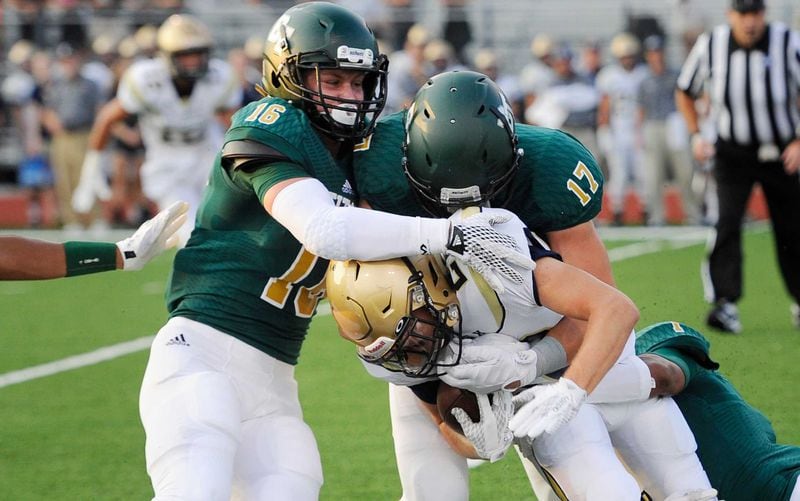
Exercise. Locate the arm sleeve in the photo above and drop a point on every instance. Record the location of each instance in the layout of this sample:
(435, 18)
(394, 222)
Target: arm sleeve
(307, 210)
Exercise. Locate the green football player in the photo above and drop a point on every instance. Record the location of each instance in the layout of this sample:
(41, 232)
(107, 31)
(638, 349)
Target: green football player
(457, 145)
(219, 400)
(735, 442)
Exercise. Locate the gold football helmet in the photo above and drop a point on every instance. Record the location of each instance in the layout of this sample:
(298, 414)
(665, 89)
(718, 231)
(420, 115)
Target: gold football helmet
(624, 45)
(145, 38)
(184, 34)
(400, 312)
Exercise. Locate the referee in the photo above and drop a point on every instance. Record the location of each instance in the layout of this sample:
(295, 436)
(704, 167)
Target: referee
(750, 71)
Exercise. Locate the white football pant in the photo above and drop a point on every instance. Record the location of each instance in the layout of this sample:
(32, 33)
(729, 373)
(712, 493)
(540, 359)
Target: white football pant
(429, 469)
(222, 417)
(651, 437)
(580, 457)
(624, 167)
(172, 178)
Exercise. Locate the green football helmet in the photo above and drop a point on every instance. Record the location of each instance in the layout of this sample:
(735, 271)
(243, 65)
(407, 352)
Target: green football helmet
(315, 36)
(460, 145)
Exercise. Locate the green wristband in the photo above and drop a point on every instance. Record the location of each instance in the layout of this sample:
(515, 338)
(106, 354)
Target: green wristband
(89, 257)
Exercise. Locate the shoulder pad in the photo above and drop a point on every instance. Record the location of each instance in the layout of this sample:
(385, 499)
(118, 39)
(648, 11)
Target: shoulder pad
(244, 154)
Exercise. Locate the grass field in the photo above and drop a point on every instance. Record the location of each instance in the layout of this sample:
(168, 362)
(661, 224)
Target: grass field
(76, 435)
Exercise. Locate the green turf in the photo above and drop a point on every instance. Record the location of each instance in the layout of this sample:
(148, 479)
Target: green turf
(77, 436)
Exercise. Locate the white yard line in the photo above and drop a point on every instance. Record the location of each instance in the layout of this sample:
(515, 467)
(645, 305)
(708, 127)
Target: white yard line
(76, 361)
(664, 238)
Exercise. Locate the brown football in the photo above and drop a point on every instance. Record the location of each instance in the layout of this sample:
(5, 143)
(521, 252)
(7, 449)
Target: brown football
(449, 397)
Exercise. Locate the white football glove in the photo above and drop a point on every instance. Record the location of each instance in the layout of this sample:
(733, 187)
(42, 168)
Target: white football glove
(545, 408)
(92, 185)
(153, 237)
(694, 495)
(484, 369)
(490, 436)
(474, 242)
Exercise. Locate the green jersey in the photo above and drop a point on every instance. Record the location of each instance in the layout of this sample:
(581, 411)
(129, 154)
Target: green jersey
(558, 185)
(242, 272)
(735, 442)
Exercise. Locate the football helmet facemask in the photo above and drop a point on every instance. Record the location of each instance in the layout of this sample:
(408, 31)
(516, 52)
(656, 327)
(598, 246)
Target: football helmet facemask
(401, 313)
(316, 36)
(460, 145)
(183, 34)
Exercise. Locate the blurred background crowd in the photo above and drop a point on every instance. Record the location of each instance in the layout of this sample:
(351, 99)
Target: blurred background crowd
(607, 76)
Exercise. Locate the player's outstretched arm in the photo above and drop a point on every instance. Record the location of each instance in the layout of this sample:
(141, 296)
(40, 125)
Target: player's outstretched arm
(304, 207)
(31, 259)
(611, 317)
(92, 184)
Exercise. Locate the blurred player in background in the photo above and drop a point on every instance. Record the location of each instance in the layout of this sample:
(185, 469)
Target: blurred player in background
(179, 98)
(219, 401)
(29, 259)
(617, 133)
(127, 204)
(462, 148)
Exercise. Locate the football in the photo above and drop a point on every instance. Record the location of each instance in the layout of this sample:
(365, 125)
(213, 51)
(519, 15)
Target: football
(449, 397)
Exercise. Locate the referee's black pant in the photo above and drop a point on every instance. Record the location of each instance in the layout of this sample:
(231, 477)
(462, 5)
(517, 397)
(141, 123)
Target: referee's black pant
(736, 170)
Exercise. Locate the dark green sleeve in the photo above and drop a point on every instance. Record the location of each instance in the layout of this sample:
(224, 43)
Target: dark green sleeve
(678, 336)
(559, 184)
(263, 178)
(686, 362)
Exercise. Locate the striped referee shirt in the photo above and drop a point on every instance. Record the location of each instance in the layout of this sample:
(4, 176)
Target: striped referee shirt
(753, 91)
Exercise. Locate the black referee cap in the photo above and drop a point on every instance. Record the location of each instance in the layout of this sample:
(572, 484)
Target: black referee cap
(747, 5)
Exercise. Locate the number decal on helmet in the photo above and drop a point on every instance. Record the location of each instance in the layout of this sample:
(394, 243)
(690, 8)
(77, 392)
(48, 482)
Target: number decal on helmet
(505, 110)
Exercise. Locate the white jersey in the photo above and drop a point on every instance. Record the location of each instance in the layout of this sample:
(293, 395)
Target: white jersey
(622, 87)
(176, 130)
(518, 312)
(181, 136)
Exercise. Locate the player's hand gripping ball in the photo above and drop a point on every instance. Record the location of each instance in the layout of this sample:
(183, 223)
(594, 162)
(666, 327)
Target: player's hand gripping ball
(449, 397)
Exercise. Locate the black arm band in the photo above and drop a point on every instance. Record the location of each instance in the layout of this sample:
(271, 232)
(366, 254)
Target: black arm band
(244, 154)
